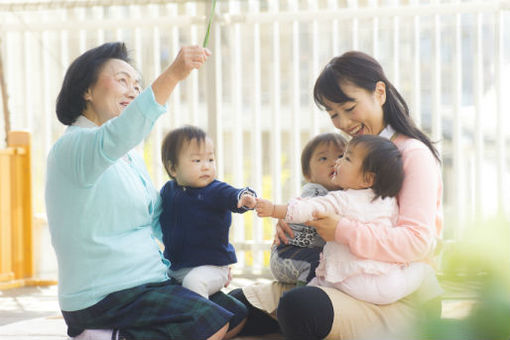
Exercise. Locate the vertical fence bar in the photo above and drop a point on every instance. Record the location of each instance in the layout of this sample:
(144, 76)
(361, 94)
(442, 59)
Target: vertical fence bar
(457, 128)
(416, 112)
(218, 91)
(47, 78)
(355, 26)
(500, 113)
(396, 47)
(134, 12)
(314, 69)
(295, 149)
(211, 93)
(437, 133)
(9, 55)
(192, 80)
(82, 40)
(217, 119)
(28, 74)
(117, 13)
(64, 46)
(175, 101)
(98, 14)
(479, 131)
(6, 270)
(375, 32)
(335, 44)
(157, 131)
(237, 128)
(256, 141)
(276, 141)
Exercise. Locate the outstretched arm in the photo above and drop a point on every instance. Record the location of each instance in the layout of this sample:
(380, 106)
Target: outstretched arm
(266, 208)
(247, 200)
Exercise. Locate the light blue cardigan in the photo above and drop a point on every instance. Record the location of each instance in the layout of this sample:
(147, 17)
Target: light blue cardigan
(103, 210)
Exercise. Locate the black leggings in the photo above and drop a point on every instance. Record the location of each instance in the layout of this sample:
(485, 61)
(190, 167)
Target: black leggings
(303, 313)
(306, 313)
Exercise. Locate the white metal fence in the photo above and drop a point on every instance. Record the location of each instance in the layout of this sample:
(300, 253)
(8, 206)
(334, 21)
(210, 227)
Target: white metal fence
(450, 59)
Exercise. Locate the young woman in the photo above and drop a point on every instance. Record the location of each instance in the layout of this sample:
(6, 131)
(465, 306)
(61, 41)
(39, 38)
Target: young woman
(360, 100)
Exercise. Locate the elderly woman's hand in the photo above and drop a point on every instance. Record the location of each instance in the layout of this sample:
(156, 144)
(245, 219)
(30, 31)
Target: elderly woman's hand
(325, 224)
(189, 58)
(282, 232)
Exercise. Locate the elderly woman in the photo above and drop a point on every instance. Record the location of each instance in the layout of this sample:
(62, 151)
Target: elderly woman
(360, 100)
(103, 211)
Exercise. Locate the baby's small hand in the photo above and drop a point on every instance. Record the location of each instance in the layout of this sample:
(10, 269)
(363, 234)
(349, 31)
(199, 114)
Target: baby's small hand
(247, 201)
(264, 208)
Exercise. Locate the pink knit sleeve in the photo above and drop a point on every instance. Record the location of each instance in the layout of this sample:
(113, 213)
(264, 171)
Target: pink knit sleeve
(420, 218)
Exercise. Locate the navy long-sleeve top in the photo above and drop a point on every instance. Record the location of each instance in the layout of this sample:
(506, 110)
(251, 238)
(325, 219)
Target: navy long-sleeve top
(195, 223)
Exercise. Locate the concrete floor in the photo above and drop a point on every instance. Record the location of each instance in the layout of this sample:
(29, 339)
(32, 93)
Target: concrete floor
(32, 313)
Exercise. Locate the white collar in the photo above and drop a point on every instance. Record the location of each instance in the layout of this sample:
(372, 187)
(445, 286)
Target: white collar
(387, 132)
(84, 122)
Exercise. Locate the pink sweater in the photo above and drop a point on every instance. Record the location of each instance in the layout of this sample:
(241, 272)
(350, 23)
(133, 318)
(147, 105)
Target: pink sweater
(420, 218)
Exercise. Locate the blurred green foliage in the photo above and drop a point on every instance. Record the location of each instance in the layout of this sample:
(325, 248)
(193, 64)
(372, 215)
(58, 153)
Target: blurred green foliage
(480, 263)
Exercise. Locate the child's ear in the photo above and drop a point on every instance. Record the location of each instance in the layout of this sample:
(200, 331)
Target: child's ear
(307, 178)
(369, 179)
(172, 170)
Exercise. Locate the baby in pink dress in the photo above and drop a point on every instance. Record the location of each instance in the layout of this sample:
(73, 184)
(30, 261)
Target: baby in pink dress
(371, 174)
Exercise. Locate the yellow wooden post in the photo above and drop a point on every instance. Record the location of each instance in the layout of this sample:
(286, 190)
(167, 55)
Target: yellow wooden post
(6, 273)
(16, 216)
(21, 208)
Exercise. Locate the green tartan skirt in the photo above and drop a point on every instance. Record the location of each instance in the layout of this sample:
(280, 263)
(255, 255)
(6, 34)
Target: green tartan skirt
(162, 310)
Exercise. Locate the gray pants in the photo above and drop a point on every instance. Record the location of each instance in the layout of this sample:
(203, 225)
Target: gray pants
(293, 264)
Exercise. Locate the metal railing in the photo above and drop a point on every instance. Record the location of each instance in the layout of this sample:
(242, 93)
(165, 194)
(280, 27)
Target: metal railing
(448, 58)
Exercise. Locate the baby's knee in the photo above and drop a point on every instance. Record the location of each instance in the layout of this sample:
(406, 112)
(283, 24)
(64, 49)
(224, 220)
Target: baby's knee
(196, 283)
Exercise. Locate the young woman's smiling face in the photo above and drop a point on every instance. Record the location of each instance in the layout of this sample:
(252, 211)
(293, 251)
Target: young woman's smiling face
(363, 115)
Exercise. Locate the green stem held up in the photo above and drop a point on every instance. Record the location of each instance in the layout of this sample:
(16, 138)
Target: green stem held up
(211, 16)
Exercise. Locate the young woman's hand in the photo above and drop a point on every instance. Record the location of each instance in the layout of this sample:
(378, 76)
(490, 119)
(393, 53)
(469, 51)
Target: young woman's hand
(283, 231)
(325, 224)
(189, 58)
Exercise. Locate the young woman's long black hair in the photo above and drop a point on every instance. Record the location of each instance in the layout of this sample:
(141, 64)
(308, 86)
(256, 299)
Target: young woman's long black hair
(364, 71)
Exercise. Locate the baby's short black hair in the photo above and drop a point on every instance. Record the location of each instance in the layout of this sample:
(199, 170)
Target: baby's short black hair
(384, 159)
(323, 138)
(174, 141)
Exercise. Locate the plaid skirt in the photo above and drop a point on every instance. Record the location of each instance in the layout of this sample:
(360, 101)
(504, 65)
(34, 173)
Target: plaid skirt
(158, 311)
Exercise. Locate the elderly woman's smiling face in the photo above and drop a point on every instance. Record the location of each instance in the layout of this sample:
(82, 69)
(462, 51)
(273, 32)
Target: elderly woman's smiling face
(118, 83)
